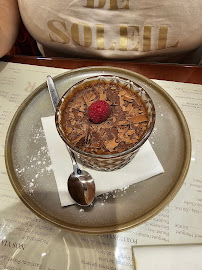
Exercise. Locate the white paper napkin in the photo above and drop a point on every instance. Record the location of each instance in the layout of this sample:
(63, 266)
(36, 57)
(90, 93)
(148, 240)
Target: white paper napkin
(173, 257)
(144, 165)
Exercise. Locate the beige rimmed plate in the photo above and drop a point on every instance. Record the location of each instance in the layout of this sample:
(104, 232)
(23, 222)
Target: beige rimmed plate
(29, 167)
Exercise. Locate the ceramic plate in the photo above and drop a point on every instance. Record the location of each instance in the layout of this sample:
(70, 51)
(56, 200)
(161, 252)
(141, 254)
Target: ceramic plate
(29, 167)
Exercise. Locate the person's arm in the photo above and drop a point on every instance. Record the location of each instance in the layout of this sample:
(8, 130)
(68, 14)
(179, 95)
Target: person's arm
(9, 25)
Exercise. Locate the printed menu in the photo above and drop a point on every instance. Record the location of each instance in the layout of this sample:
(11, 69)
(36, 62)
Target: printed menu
(28, 242)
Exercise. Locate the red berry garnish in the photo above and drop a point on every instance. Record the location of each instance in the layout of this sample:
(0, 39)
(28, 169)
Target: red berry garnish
(98, 111)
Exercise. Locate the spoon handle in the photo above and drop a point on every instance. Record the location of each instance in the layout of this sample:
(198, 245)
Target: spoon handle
(53, 92)
(76, 169)
(55, 100)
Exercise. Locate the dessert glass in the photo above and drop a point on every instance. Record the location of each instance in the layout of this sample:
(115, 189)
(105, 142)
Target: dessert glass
(107, 162)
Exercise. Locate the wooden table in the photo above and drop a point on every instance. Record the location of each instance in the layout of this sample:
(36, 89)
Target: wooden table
(170, 72)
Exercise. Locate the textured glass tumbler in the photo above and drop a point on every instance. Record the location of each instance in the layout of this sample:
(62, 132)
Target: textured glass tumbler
(114, 161)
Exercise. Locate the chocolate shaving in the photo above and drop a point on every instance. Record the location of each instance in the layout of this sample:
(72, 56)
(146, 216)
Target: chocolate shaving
(139, 118)
(111, 144)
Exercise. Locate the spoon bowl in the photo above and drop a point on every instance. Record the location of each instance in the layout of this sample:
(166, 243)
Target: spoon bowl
(81, 187)
(80, 183)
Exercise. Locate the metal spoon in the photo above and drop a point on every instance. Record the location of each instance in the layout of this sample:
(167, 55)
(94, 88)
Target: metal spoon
(80, 183)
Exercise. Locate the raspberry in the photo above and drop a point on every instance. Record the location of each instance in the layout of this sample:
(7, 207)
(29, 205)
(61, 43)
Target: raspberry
(98, 111)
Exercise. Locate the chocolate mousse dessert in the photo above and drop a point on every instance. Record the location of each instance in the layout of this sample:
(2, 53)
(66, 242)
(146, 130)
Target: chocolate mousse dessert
(103, 117)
